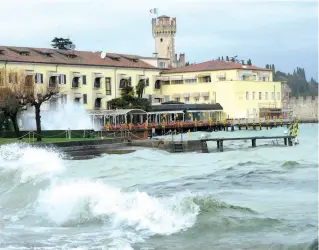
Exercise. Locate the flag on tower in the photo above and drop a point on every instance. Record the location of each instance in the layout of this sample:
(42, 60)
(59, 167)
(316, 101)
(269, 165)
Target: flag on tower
(154, 11)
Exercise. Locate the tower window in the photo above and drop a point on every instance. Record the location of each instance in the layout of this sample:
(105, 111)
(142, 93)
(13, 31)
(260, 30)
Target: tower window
(161, 39)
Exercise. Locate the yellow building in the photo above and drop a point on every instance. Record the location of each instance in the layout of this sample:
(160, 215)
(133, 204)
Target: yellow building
(92, 80)
(243, 91)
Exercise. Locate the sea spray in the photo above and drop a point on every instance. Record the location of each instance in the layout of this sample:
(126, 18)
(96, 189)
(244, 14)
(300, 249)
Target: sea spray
(30, 163)
(80, 201)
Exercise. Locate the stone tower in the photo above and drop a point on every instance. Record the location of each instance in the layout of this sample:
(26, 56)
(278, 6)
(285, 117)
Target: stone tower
(164, 30)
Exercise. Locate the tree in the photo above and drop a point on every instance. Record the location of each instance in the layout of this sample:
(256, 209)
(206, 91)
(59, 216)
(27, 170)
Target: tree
(10, 102)
(242, 62)
(267, 66)
(27, 92)
(222, 58)
(62, 43)
(227, 58)
(140, 87)
(249, 62)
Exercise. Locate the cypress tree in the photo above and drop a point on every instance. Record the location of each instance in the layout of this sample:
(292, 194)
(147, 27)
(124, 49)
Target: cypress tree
(227, 58)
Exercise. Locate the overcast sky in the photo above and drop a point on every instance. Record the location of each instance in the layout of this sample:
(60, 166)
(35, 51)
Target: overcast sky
(283, 32)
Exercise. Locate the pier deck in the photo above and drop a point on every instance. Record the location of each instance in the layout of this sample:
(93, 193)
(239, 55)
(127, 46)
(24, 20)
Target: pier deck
(220, 141)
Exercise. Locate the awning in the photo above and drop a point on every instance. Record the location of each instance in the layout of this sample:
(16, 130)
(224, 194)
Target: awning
(204, 94)
(163, 78)
(30, 73)
(158, 96)
(246, 72)
(99, 95)
(143, 77)
(203, 75)
(125, 77)
(176, 95)
(76, 75)
(185, 94)
(54, 74)
(98, 75)
(221, 75)
(176, 78)
(77, 95)
(195, 94)
(265, 74)
(189, 77)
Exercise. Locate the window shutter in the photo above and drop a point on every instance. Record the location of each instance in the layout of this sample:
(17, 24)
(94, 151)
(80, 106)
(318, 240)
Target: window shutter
(41, 77)
(84, 79)
(64, 78)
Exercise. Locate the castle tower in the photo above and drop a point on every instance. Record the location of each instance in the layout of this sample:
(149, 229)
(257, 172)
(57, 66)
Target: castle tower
(164, 30)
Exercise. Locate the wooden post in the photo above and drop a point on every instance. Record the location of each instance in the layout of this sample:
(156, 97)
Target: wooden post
(285, 141)
(232, 128)
(221, 148)
(289, 141)
(253, 143)
(217, 144)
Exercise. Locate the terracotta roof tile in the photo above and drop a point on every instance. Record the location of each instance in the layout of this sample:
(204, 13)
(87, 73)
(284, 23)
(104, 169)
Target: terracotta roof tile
(71, 57)
(212, 66)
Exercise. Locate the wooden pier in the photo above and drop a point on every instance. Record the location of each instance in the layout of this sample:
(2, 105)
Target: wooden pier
(288, 140)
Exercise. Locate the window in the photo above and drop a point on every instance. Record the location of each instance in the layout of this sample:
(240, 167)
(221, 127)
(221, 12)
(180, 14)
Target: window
(162, 65)
(13, 77)
(266, 95)
(272, 96)
(161, 40)
(62, 79)
(177, 99)
(245, 78)
(260, 96)
(177, 82)
(186, 99)
(157, 84)
(123, 82)
(84, 79)
(97, 103)
(206, 98)
(147, 82)
(75, 82)
(190, 81)
(29, 80)
(97, 82)
(196, 99)
(85, 98)
(53, 81)
(247, 95)
(77, 100)
(253, 95)
(222, 78)
(38, 78)
(1, 78)
(278, 95)
(108, 86)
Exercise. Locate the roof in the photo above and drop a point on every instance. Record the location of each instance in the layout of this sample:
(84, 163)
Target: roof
(117, 112)
(163, 16)
(212, 66)
(183, 106)
(70, 57)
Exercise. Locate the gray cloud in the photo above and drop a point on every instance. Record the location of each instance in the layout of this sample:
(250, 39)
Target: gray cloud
(284, 32)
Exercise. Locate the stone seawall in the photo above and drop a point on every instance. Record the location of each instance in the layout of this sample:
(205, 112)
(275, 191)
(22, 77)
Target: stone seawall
(304, 108)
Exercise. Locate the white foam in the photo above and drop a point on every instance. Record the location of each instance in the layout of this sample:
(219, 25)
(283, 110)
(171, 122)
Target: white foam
(82, 201)
(30, 162)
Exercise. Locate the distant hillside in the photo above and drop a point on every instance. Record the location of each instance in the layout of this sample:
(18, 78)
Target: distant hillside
(297, 82)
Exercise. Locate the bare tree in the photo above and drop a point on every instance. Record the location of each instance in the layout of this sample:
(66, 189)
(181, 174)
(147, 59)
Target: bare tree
(26, 91)
(10, 104)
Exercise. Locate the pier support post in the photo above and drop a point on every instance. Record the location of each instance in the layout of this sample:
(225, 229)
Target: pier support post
(285, 141)
(239, 127)
(232, 128)
(253, 143)
(221, 146)
(289, 141)
(217, 144)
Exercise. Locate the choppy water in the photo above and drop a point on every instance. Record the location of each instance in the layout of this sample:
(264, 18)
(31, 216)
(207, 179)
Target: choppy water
(243, 198)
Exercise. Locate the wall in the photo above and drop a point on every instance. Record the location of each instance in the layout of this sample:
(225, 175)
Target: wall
(304, 108)
(113, 73)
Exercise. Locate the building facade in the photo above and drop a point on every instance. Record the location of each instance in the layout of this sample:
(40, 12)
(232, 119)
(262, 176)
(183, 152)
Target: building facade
(243, 91)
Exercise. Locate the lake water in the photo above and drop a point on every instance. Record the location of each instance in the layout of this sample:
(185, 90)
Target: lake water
(242, 198)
